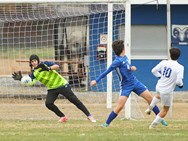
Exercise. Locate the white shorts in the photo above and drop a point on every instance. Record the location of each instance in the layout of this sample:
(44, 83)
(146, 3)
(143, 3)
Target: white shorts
(166, 99)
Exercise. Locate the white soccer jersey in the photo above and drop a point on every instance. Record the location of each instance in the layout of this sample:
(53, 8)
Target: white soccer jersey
(170, 73)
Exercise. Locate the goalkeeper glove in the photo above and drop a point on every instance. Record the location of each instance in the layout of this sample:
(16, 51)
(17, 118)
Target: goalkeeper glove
(43, 67)
(17, 76)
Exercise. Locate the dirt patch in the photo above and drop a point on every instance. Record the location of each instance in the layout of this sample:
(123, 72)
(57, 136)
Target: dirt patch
(10, 65)
(26, 109)
(40, 112)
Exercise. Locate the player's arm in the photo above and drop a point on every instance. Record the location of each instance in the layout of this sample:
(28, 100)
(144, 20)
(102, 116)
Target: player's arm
(52, 65)
(94, 82)
(17, 75)
(156, 70)
(102, 75)
(179, 80)
(47, 66)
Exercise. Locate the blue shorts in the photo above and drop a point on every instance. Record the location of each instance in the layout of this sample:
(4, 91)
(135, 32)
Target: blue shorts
(138, 88)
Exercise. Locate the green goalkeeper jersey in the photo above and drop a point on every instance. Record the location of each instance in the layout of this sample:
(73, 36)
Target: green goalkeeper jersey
(51, 79)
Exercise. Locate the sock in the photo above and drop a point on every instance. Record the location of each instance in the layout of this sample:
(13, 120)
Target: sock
(153, 102)
(111, 117)
(156, 110)
(156, 121)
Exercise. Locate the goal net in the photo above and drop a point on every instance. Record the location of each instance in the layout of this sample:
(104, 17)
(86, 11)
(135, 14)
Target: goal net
(72, 34)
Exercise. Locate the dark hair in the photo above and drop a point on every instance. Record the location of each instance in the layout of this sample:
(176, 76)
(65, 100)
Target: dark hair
(175, 53)
(118, 47)
(33, 57)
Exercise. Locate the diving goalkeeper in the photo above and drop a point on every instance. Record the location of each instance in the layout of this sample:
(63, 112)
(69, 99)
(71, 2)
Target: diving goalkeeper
(46, 73)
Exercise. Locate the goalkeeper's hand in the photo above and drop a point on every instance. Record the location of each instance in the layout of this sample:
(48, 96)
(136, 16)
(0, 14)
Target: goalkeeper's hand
(43, 67)
(17, 76)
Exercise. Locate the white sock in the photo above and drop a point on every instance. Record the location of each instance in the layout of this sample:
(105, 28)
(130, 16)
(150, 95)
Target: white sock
(156, 121)
(153, 102)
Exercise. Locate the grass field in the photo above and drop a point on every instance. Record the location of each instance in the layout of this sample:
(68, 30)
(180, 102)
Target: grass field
(81, 130)
(34, 122)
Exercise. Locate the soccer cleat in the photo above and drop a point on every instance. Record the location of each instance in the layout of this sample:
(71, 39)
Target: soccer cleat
(163, 122)
(63, 119)
(91, 118)
(104, 125)
(152, 127)
(148, 111)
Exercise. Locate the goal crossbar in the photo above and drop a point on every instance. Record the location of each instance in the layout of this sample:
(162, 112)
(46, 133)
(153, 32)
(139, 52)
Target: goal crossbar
(65, 31)
(63, 1)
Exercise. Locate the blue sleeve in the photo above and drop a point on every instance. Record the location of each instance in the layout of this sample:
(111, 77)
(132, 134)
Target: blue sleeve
(48, 63)
(114, 65)
(32, 75)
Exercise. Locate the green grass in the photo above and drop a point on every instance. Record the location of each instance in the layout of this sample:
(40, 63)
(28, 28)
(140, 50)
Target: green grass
(82, 130)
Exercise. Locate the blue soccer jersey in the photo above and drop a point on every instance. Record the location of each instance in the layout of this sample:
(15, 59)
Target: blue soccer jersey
(128, 82)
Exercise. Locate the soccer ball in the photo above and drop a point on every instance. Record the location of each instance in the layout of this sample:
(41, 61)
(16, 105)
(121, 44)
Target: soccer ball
(26, 81)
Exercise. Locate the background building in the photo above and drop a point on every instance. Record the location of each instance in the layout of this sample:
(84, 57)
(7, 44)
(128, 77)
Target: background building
(149, 39)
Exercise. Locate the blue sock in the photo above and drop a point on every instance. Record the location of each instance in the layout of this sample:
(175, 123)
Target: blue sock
(156, 110)
(111, 117)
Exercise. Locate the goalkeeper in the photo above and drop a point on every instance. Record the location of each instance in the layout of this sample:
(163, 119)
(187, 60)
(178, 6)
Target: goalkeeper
(46, 73)
(128, 82)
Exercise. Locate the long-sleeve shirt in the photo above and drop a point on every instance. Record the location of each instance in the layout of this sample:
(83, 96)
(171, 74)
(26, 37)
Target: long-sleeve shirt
(170, 73)
(51, 79)
(123, 69)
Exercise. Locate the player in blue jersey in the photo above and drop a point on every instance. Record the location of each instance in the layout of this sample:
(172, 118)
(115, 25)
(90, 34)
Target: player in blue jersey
(128, 82)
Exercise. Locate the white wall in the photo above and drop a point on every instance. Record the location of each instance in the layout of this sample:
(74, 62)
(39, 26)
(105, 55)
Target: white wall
(147, 41)
(132, 1)
(159, 1)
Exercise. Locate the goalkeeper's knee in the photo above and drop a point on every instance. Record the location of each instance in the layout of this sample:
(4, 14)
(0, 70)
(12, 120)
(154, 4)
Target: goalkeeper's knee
(49, 105)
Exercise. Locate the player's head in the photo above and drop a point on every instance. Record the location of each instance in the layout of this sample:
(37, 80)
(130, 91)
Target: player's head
(33, 58)
(118, 47)
(175, 53)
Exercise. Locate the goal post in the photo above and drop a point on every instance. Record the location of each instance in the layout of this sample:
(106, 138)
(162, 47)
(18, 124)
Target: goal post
(76, 34)
(109, 54)
(128, 50)
(64, 1)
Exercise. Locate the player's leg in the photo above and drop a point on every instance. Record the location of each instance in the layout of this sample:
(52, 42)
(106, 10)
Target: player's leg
(124, 94)
(141, 90)
(166, 101)
(121, 102)
(154, 102)
(160, 117)
(50, 98)
(164, 111)
(147, 96)
(68, 93)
